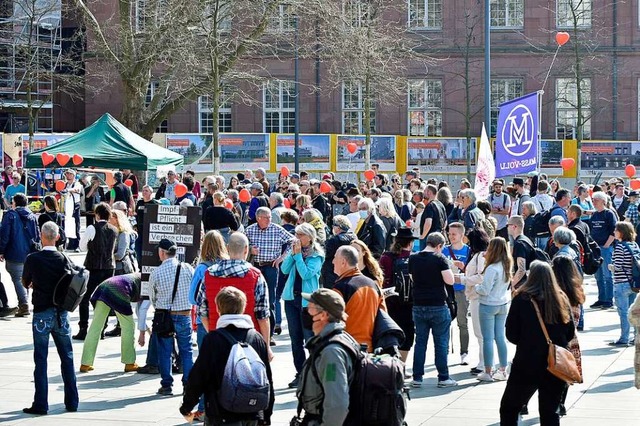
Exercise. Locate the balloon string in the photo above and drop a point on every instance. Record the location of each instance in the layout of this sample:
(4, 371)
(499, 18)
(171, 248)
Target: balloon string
(550, 66)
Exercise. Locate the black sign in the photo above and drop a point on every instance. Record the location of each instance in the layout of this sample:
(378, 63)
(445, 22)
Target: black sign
(179, 224)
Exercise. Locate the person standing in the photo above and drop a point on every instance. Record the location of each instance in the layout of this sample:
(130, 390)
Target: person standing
(521, 196)
(127, 174)
(93, 194)
(434, 216)
(99, 240)
(168, 189)
(603, 224)
(15, 188)
(259, 199)
(169, 275)
(18, 231)
(622, 268)
(500, 206)
(342, 236)
(431, 273)
(42, 271)
(147, 200)
(471, 214)
(370, 229)
(72, 194)
(121, 192)
(51, 214)
(522, 249)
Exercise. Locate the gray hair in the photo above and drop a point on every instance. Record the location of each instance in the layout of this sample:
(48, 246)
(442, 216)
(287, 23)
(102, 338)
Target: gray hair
(223, 181)
(186, 203)
(563, 235)
(349, 254)
(557, 220)
(470, 193)
(311, 214)
(237, 243)
(444, 196)
(387, 208)
(233, 194)
(263, 211)
(277, 197)
(600, 196)
(119, 205)
(529, 205)
(341, 222)
(49, 231)
(310, 231)
(435, 239)
(406, 195)
(368, 202)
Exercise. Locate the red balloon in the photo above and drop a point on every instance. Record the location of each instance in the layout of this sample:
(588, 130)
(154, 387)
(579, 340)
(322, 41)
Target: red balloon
(352, 147)
(180, 189)
(244, 195)
(369, 174)
(47, 158)
(287, 203)
(62, 159)
(129, 183)
(630, 170)
(325, 187)
(567, 163)
(60, 185)
(284, 171)
(635, 184)
(77, 159)
(562, 38)
(228, 204)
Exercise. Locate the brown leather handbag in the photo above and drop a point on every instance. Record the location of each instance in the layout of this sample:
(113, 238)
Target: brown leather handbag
(560, 362)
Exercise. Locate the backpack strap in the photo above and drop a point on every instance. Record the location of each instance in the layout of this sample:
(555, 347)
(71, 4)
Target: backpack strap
(228, 336)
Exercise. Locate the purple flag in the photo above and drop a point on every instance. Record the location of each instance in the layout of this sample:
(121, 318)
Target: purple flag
(517, 136)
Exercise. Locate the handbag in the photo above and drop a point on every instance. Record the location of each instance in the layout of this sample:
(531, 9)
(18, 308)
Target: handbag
(560, 361)
(162, 324)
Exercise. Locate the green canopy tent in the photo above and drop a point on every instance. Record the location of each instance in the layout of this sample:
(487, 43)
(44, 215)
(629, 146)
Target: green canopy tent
(109, 144)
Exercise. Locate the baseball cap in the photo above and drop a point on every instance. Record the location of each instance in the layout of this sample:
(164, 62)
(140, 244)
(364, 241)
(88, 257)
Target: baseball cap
(328, 300)
(327, 176)
(295, 176)
(167, 245)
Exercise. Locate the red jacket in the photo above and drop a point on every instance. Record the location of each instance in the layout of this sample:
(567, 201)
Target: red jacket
(246, 284)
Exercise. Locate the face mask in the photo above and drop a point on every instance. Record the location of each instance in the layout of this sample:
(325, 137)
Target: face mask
(364, 214)
(307, 319)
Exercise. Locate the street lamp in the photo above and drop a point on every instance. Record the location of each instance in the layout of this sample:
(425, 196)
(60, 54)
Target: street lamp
(296, 121)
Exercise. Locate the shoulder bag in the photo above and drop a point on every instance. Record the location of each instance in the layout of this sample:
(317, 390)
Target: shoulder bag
(162, 324)
(560, 361)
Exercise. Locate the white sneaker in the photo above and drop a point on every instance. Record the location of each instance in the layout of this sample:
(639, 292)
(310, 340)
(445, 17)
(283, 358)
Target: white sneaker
(484, 377)
(463, 359)
(416, 383)
(447, 383)
(499, 376)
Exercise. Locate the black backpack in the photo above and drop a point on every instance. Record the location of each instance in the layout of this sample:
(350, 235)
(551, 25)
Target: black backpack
(377, 394)
(71, 287)
(592, 258)
(401, 279)
(541, 224)
(535, 253)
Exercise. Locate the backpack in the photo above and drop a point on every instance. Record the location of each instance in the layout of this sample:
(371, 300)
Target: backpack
(377, 394)
(635, 270)
(541, 224)
(401, 279)
(245, 385)
(74, 285)
(592, 258)
(536, 254)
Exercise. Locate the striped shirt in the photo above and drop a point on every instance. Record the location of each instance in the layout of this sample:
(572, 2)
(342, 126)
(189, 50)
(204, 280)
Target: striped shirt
(623, 264)
(161, 283)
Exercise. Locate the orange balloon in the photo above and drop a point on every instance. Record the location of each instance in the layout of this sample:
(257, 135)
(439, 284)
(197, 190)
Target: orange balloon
(562, 38)
(180, 189)
(128, 182)
(325, 187)
(369, 174)
(228, 204)
(287, 203)
(284, 171)
(47, 158)
(60, 185)
(77, 159)
(62, 159)
(635, 184)
(352, 147)
(244, 195)
(567, 163)
(630, 170)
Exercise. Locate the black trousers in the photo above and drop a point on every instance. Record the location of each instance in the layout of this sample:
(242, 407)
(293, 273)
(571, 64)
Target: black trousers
(4, 301)
(520, 389)
(96, 276)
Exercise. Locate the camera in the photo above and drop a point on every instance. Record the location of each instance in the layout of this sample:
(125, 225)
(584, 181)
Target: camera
(296, 421)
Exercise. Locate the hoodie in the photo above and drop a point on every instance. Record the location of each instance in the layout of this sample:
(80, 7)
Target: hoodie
(18, 229)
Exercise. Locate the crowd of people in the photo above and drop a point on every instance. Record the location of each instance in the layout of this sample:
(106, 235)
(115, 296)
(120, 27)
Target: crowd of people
(340, 256)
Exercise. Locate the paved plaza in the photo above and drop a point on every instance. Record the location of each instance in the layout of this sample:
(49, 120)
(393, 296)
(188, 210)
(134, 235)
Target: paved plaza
(109, 396)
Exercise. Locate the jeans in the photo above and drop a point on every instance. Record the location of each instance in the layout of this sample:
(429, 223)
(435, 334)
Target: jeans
(54, 323)
(474, 307)
(271, 277)
(152, 352)
(182, 325)
(15, 271)
(436, 319)
(4, 300)
(463, 309)
(604, 277)
(200, 335)
(298, 334)
(492, 324)
(580, 324)
(282, 281)
(624, 299)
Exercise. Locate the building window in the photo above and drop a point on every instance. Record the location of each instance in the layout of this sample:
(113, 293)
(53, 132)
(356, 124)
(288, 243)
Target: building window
(353, 95)
(425, 14)
(503, 90)
(567, 108)
(205, 112)
(507, 13)
(572, 13)
(279, 107)
(425, 108)
(152, 90)
(283, 19)
(356, 12)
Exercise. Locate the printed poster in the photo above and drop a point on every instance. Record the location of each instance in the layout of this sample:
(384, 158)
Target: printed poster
(440, 154)
(608, 157)
(383, 152)
(313, 151)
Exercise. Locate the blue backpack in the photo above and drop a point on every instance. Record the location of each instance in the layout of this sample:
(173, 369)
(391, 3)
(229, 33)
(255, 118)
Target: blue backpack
(635, 270)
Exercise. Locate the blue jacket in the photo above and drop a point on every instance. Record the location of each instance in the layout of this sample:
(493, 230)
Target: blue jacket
(15, 244)
(309, 270)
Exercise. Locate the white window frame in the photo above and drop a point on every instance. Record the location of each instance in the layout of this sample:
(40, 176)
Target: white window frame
(284, 88)
(563, 104)
(584, 21)
(283, 21)
(433, 7)
(509, 14)
(431, 105)
(358, 109)
(510, 92)
(224, 115)
(355, 12)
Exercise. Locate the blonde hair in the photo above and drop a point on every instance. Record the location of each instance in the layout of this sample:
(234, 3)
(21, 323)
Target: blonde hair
(498, 252)
(123, 224)
(213, 247)
(370, 262)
